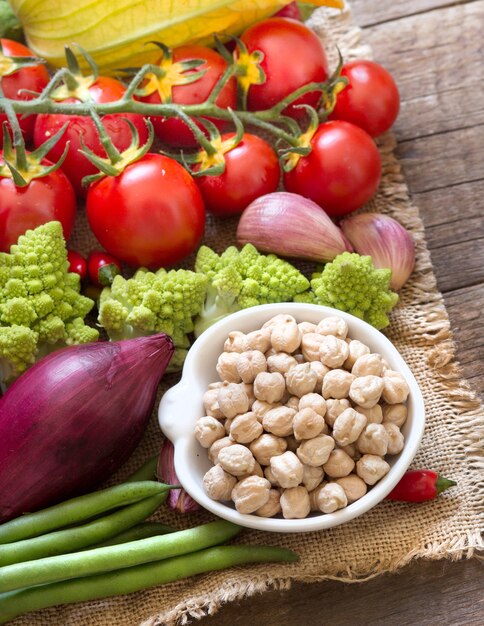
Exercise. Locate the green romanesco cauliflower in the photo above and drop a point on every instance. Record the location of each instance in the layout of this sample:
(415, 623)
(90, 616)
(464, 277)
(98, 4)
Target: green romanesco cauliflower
(41, 308)
(351, 283)
(242, 279)
(154, 302)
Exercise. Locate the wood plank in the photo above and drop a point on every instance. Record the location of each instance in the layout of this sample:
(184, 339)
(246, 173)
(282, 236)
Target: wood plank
(371, 12)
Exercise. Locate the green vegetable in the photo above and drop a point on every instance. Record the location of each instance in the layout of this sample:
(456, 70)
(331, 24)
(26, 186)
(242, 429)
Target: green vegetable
(239, 280)
(108, 558)
(78, 509)
(141, 531)
(129, 580)
(41, 308)
(153, 302)
(351, 283)
(10, 27)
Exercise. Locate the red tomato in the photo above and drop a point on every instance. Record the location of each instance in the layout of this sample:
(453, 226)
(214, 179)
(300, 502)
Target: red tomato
(151, 215)
(293, 57)
(251, 170)
(42, 200)
(173, 131)
(76, 165)
(102, 268)
(342, 171)
(290, 10)
(77, 263)
(34, 78)
(370, 100)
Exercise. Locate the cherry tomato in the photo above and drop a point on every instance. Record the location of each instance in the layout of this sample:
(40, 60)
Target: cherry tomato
(251, 170)
(173, 131)
(341, 172)
(77, 263)
(290, 10)
(151, 215)
(370, 100)
(293, 57)
(102, 268)
(76, 165)
(42, 200)
(34, 78)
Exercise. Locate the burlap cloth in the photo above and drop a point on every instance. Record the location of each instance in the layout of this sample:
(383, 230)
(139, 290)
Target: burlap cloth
(390, 535)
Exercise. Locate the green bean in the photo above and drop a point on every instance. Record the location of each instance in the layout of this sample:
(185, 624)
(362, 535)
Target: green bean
(141, 531)
(146, 472)
(78, 537)
(97, 560)
(78, 509)
(133, 579)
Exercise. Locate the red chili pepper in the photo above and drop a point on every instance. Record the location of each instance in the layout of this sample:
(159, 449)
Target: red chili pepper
(419, 486)
(102, 268)
(77, 263)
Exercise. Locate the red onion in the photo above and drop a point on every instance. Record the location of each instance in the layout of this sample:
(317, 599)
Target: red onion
(74, 417)
(178, 499)
(290, 225)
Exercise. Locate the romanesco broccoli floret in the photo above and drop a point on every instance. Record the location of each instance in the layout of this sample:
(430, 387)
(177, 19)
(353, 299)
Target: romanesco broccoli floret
(351, 283)
(41, 307)
(153, 302)
(242, 279)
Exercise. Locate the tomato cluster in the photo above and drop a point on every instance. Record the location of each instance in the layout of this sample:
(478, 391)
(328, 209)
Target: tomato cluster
(152, 213)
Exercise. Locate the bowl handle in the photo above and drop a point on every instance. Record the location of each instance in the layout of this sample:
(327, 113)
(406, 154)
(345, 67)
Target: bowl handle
(171, 411)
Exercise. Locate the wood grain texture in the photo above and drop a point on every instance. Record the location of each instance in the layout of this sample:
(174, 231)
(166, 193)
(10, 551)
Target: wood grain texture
(371, 12)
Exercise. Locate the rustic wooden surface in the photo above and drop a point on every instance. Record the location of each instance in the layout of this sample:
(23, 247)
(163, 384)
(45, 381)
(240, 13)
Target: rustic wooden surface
(434, 48)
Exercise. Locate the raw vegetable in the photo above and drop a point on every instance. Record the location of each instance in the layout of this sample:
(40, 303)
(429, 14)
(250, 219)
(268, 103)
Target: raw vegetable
(370, 100)
(10, 27)
(352, 284)
(419, 486)
(131, 579)
(115, 36)
(40, 305)
(154, 302)
(72, 419)
(290, 225)
(102, 268)
(387, 242)
(178, 499)
(140, 531)
(241, 279)
(77, 263)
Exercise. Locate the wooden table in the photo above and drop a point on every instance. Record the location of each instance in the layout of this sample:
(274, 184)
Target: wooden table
(434, 48)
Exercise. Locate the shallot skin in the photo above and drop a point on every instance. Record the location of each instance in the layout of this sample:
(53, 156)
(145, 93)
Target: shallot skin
(73, 419)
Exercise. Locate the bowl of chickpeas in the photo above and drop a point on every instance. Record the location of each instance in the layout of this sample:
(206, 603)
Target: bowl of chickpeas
(292, 417)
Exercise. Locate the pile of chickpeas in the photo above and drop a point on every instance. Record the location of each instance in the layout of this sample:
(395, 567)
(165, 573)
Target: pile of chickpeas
(301, 419)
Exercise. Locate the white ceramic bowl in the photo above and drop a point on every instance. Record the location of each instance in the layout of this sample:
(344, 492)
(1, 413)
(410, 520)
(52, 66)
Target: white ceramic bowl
(182, 405)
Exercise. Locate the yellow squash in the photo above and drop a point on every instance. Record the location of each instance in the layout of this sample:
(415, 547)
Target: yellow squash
(115, 32)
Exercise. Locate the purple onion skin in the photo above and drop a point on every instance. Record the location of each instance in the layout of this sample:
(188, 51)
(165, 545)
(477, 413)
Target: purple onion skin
(178, 499)
(71, 420)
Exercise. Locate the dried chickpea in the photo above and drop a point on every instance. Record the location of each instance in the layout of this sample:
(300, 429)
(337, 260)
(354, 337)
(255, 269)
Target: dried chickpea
(236, 460)
(339, 464)
(249, 390)
(257, 471)
(216, 385)
(272, 506)
(292, 443)
(279, 421)
(348, 426)
(270, 476)
(307, 424)
(395, 413)
(321, 371)
(250, 494)
(267, 446)
(286, 336)
(232, 399)
(351, 451)
(269, 387)
(368, 365)
(259, 339)
(310, 343)
(333, 325)
(374, 415)
(334, 408)
(249, 364)
(228, 424)
(312, 477)
(306, 327)
(236, 342)
(260, 408)
(301, 379)
(227, 367)
(287, 469)
(313, 497)
(331, 498)
(395, 387)
(245, 428)
(316, 451)
(210, 404)
(333, 352)
(295, 503)
(396, 440)
(207, 430)
(280, 362)
(366, 390)
(217, 446)
(313, 401)
(371, 468)
(336, 384)
(373, 440)
(293, 403)
(356, 349)
(281, 318)
(354, 487)
(218, 483)
(299, 357)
